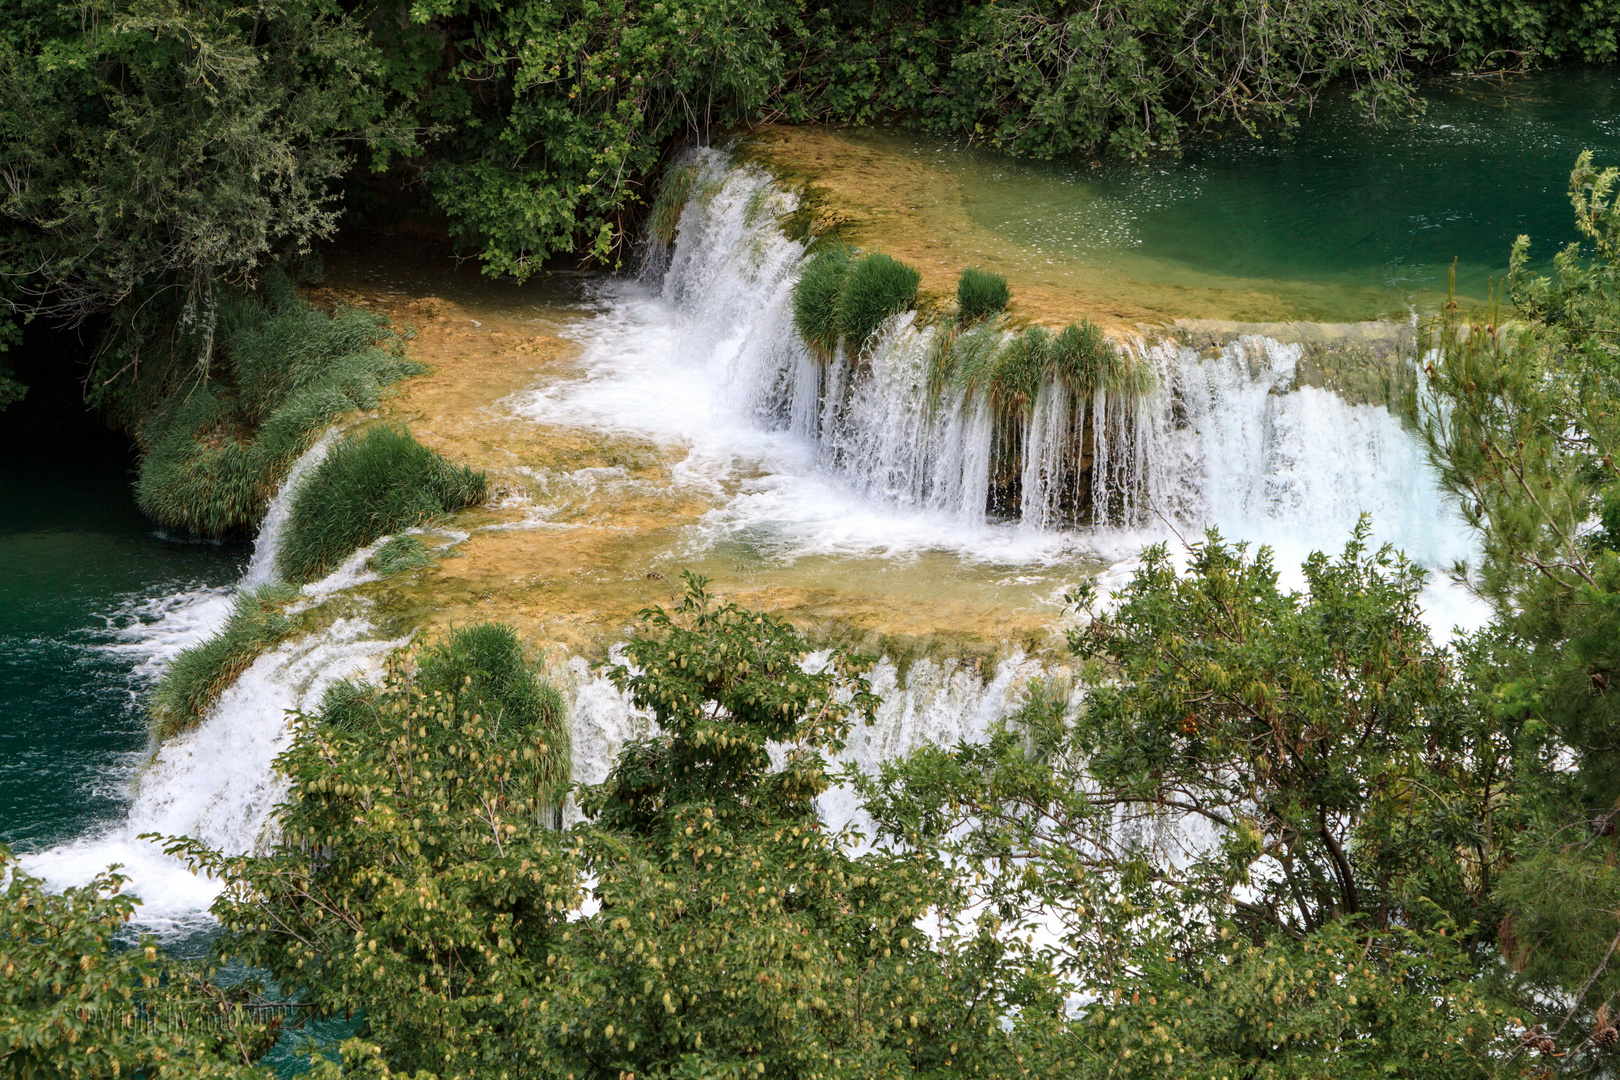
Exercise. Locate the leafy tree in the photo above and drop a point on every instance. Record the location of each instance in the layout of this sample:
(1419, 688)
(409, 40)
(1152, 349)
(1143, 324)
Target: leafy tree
(700, 922)
(76, 1002)
(150, 146)
(1522, 425)
(1262, 842)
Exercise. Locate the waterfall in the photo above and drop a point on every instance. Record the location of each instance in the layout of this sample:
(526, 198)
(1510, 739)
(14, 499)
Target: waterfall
(861, 453)
(216, 782)
(267, 545)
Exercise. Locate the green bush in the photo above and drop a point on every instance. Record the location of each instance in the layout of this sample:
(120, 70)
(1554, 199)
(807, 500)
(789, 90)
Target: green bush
(370, 485)
(196, 677)
(815, 297)
(215, 453)
(980, 293)
(482, 666)
(876, 288)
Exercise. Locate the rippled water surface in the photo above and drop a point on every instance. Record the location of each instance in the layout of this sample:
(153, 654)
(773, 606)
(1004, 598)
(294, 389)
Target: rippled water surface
(1347, 219)
(78, 563)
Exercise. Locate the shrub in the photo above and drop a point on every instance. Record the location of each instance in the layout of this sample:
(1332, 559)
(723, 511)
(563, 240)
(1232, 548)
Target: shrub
(196, 677)
(483, 666)
(370, 485)
(815, 298)
(980, 293)
(215, 453)
(876, 288)
(78, 1001)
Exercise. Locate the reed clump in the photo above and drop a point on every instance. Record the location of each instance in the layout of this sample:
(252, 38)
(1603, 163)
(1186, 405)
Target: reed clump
(199, 674)
(845, 297)
(216, 450)
(1009, 369)
(980, 294)
(815, 298)
(673, 193)
(372, 484)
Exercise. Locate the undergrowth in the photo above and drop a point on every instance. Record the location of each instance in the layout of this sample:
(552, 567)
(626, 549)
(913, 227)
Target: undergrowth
(372, 484)
(199, 674)
(218, 444)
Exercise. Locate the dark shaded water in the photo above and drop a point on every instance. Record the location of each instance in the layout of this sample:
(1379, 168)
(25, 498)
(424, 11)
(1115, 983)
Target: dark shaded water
(77, 562)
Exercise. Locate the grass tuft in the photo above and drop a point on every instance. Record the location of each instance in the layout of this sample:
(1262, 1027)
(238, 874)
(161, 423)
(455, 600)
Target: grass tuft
(877, 288)
(381, 482)
(673, 194)
(196, 677)
(980, 294)
(404, 552)
(815, 298)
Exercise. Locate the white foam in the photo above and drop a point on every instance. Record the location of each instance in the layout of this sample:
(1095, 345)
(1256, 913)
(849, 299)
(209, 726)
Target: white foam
(215, 782)
(856, 457)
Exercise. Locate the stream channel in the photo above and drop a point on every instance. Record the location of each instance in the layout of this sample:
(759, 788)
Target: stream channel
(876, 511)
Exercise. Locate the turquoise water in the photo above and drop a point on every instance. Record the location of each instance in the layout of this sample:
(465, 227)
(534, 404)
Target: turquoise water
(78, 563)
(1337, 220)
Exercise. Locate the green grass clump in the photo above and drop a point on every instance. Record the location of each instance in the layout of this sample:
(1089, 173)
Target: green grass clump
(483, 667)
(876, 288)
(403, 552)
(672, 197)
(381, 482)
(1010, 370)
(196, 678)
(215, 452)
(980, 294)
(815, 298)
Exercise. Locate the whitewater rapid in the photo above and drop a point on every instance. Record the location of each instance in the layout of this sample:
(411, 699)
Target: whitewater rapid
(700, 355)
(217, 781)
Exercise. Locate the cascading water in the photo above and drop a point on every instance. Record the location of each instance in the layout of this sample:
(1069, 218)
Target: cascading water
(862, 453)
(215, 782)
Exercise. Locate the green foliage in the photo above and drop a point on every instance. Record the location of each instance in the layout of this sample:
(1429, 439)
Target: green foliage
(401, 553)
(1010, 370)
(11, 390)
(674, 189)
(815, 297)
(370, 485)
(216, 450)
(1340, 1002)
(980, 294)
(196, 677)
(76, 1003)
(1321, 747)
(159, 147)
(1522, 427)
(875, 289)
(725, 934)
